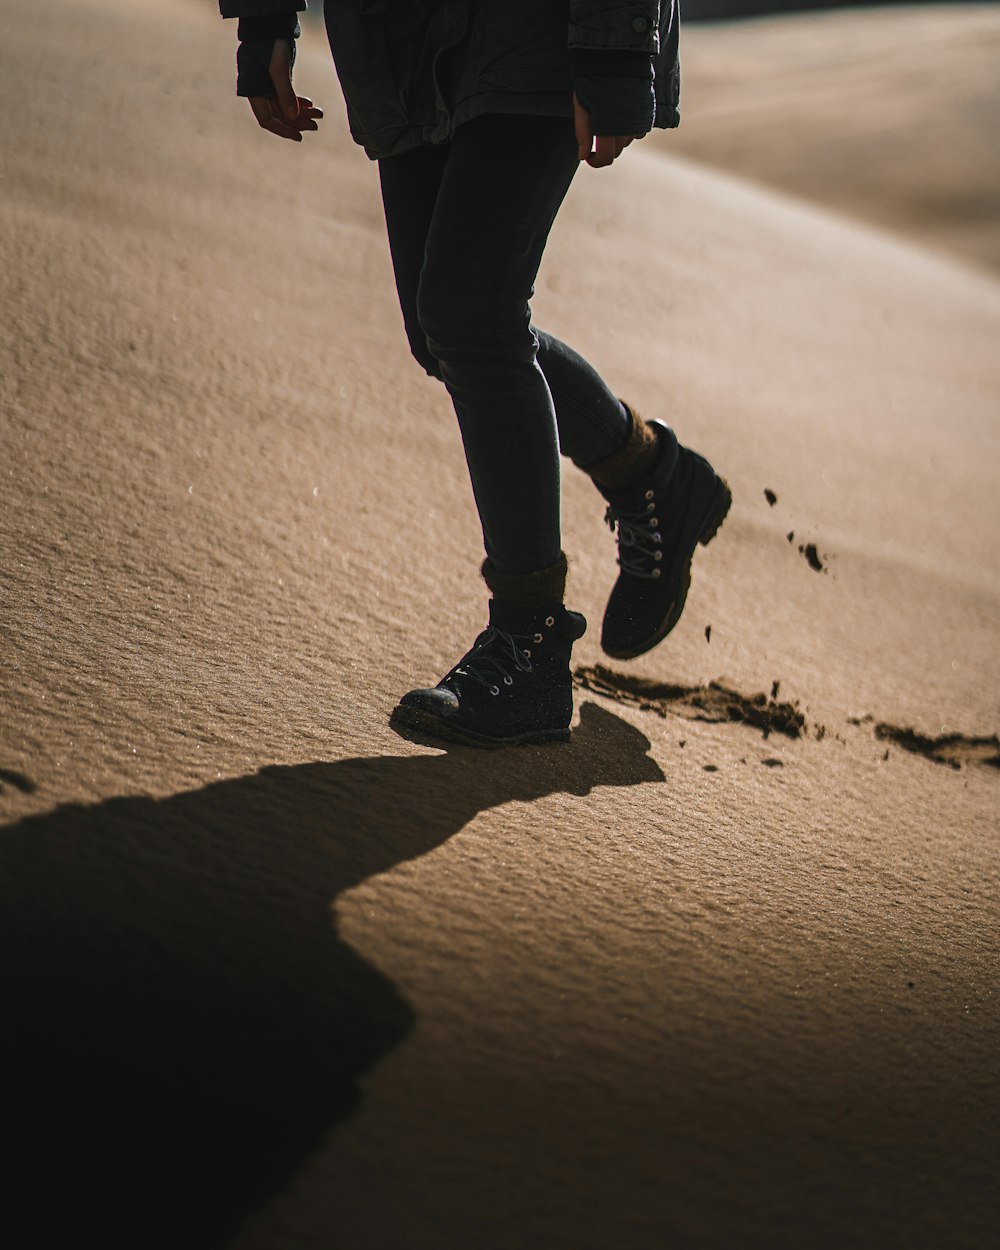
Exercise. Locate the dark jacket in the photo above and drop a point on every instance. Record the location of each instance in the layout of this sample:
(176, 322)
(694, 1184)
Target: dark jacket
(414, 70)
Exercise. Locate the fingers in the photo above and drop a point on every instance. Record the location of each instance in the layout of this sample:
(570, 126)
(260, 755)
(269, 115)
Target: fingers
(271, 116)
(607, 149)
(309, 114)
(604, 153)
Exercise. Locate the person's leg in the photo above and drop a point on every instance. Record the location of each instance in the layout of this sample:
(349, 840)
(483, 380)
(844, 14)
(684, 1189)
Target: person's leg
(410, 184)
(467, 228)
(593, 423)
(664, 499)
(503, 182)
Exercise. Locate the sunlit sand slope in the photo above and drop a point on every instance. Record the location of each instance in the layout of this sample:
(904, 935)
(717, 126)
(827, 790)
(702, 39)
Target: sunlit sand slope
(891, 115)
(720, 972)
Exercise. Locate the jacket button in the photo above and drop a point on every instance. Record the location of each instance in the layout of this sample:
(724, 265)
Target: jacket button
(640, 25)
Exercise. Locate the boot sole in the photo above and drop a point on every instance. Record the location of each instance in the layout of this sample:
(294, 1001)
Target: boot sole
(710, 523)
(419, 721)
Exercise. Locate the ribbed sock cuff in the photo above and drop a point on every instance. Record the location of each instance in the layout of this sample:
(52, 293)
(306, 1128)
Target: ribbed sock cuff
(543, 587)
(632, 460)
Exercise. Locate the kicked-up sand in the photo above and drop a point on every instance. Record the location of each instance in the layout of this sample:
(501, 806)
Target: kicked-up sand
(720, 972)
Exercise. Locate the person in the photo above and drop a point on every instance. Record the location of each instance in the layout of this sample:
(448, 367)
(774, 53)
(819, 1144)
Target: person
(479, 113)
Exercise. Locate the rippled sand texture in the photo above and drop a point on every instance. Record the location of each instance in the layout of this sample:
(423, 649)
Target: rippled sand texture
(273, 977)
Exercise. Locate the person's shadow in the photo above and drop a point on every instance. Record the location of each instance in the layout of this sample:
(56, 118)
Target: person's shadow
(180, 1024)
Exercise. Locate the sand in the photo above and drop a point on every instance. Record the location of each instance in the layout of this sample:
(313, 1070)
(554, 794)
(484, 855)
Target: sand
(888, 115)
(273, 976)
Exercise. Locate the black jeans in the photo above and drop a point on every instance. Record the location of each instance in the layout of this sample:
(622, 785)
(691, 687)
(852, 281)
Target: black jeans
(467, 224)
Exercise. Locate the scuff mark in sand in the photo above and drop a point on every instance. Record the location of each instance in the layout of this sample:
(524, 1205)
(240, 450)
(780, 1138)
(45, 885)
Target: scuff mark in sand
(715, 702)
(951, 749)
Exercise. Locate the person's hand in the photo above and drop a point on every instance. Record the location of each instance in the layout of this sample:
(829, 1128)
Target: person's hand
(601, 150)
(283, 112)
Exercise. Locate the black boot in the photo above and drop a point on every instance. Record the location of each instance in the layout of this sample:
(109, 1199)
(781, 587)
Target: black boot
(675, 501)
(514, 685)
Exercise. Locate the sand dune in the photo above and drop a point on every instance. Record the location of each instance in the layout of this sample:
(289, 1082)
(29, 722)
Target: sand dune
(715, 10)
(891, 115)
(275, 977)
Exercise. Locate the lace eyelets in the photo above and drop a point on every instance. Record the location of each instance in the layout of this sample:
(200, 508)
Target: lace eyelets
(550, 621)
(494, 689)
(656, 572)
(657, 555)
(526, 652)
(654, 522)
(508, 681)
(648, 494)
(537, 638)
(650, 506)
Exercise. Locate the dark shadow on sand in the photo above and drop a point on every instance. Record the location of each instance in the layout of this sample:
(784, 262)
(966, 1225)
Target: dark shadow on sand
(181, 1024)
(18, 780)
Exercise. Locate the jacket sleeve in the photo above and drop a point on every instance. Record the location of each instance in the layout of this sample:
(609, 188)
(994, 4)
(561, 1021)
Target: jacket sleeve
(615, 25)
(261, 23)
(611, 48)
(260, 8)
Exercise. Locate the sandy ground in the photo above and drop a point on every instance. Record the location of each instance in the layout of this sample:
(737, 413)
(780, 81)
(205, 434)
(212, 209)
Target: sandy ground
(274, 977)
(890, 115)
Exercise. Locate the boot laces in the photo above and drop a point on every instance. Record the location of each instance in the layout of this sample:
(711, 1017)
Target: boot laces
(493, 652)
(640, 533)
